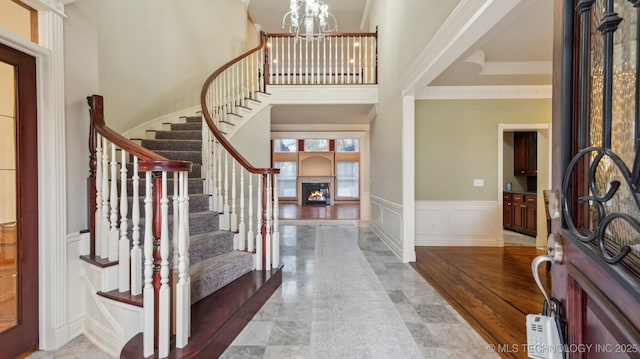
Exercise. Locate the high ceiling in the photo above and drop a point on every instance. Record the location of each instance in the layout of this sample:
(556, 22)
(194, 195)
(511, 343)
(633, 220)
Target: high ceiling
(516, 51)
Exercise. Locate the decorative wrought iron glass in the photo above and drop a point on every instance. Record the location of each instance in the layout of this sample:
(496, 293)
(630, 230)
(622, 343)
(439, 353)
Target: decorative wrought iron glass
(309, 20)
(601, 185)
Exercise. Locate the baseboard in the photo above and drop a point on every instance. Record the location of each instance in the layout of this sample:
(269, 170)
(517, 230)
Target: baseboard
(102, 337)
(457, 223)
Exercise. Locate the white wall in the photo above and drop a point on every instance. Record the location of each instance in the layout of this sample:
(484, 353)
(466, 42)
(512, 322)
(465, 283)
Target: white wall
(155, 54)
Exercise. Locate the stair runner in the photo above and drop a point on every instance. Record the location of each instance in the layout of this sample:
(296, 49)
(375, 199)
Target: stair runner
(213, 261)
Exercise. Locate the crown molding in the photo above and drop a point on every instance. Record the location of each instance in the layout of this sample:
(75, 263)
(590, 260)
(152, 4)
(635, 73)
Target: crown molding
(509, 67)
(484, 92)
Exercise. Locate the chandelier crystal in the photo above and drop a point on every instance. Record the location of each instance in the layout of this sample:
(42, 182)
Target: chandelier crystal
(309, 20)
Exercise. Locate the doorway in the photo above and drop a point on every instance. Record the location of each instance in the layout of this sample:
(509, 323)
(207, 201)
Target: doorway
(543, 176)
(18, 203)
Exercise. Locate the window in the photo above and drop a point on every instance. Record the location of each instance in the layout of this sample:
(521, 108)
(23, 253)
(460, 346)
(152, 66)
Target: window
(316, 145)
(287, 179)
(347, 179)
(347, 145)
(285, 145)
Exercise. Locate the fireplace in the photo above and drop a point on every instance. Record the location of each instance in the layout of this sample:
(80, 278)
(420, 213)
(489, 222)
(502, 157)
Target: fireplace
(315, 193)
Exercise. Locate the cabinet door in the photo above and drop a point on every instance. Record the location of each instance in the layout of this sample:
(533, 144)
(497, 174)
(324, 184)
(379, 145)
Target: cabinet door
(519, 154)
(507, 211)
(531, 218)
(519, 212)
(532, 154)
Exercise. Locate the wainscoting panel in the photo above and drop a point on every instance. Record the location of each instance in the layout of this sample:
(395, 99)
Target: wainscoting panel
(386, 222)
(457, 223)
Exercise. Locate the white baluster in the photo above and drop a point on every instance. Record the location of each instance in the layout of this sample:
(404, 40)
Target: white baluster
(224, 219)
(300, 73)
(106, 230)
(241, 225)
(250, 238)
(318, 63)
(183, 288)
(274, 60)
(136, 252)
(342, 59)
(98, 217)
(306, 62)
(336, 73)
(214, 175)
(275, 239)
(164, 313)
(324, 60)
(360, 68)
(258, 257)
(125, 243)
(330, 59)
(113, 236)
(148, 295)
(176, 220)
(233, 222)
(267, 242)
(289, 60)
(219, 177)
(368, 61)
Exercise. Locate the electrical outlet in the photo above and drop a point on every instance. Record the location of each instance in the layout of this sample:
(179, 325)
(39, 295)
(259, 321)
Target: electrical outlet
(478, 183)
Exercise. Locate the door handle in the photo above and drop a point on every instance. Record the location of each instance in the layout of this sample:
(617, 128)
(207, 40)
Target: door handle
(554, 255)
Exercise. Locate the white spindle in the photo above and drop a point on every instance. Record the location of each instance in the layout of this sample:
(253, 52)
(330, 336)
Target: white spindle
(270, 58)
(241, 225)
(124, 278)
(148, 295)
(183, 287)
(176, 219)
(98, 217)
(224, 219)
(250, 238)
(289, 60)
(113, 236)
(219, 175)
(164, 312)
(106, 230)
(318, 81)
(300, 62)
(267, 242)
(360, 71)
(324, 60)
(336, 73)
(311, 65)
(258, 258)
(342, 59)
(233, 221)
(367, 61)
(136, 252)
(275, 239)
(306, 62)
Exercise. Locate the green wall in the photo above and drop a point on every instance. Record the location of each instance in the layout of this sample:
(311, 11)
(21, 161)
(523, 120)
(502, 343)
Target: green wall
(457, 142)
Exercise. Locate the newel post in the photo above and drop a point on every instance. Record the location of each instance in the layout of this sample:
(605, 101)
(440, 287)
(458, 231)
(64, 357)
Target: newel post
(91, 182)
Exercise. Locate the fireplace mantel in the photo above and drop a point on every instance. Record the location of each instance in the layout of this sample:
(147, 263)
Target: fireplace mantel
(317, 179)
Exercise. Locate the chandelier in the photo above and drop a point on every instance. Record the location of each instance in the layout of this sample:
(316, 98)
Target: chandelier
(309, 20)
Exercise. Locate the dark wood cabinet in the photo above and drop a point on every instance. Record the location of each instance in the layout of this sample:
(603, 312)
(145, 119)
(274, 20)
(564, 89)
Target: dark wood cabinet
(525, 157)
(507, 210)
(519, 212)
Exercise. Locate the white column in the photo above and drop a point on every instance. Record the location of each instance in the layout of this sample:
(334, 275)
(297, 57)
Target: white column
(408, 179)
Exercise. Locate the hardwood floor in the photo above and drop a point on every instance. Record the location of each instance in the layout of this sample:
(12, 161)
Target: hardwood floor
(492, 288)
(337, 211)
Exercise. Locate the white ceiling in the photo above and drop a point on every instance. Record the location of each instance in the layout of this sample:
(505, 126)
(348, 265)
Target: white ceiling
(516, 51)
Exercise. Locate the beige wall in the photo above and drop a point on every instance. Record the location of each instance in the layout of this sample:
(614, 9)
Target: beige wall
(457, 142)
(403, 34)
(154, 55)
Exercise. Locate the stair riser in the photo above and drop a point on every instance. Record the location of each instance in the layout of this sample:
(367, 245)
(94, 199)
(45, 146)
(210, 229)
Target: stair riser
(196, 186)
(191, 156)
(184, 135)
(214, 245)
(195, 171)
(189, 126)
(171, 144)
(192, 119)
(197, 203)
(207, 279)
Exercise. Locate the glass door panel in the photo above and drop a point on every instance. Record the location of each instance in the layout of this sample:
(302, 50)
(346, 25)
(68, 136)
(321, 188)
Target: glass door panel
(8, 210)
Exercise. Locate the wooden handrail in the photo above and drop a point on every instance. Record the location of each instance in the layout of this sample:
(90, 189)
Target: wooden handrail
(216, 132)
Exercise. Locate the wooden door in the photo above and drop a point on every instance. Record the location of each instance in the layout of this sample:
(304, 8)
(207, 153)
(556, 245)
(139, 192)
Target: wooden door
(518, 212)
(596, 168)
(18, 204)
(507, 211)
(531, 212)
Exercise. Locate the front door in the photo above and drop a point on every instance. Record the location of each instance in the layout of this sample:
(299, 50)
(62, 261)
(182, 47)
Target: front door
(18, 204)
(596, 169)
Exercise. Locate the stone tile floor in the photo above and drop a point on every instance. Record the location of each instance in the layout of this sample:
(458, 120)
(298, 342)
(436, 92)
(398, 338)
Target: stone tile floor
(344, 295)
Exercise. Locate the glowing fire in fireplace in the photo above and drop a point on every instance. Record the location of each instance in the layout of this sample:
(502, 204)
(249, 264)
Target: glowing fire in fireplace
(316, 195)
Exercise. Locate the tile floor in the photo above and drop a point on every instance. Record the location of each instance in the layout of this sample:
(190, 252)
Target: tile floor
(344, 295)
(517, 239)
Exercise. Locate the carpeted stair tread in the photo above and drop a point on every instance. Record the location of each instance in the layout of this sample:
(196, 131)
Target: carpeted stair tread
(184, 135)
(198, 202)
(191, 156)
(192, 119)
(208, 245)
(196, 186)
(199, 222)
(214, 273)
(196, 171)
(191, 126)
(172, 144)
